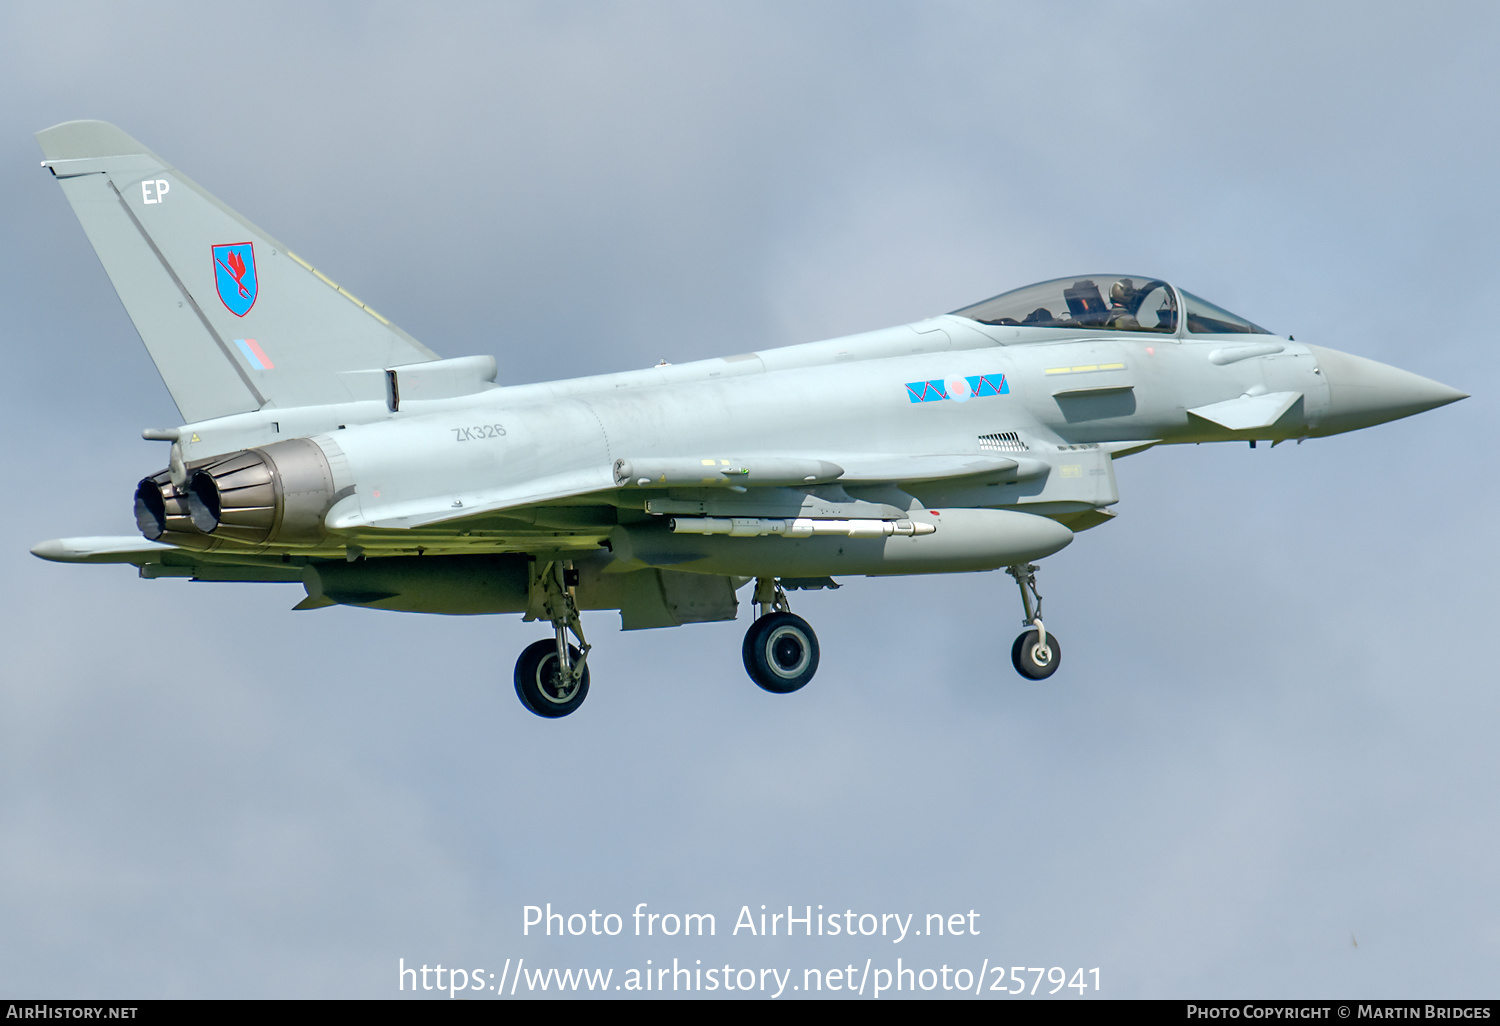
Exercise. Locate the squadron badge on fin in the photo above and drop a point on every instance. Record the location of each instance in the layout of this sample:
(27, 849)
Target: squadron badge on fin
(234, 274)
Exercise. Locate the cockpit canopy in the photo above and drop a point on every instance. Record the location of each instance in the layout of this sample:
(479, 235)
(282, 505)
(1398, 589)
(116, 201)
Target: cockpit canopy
(1107, 302)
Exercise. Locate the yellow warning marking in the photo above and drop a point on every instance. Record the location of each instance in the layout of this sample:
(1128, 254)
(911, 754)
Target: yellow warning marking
(1072, 470)
(195, 437)
(707, 463)
(1083, 368)
(336, 287)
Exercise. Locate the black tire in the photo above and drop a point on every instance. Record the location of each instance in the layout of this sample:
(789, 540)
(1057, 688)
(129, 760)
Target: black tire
(537, 681)
(781, 652)
(1031, 663)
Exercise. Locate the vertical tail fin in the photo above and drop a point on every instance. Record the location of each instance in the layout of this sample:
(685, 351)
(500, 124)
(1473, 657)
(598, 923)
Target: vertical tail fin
(233, 320)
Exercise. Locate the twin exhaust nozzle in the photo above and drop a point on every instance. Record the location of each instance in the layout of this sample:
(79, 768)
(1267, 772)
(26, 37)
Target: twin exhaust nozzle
(233, 496)
(279, 492)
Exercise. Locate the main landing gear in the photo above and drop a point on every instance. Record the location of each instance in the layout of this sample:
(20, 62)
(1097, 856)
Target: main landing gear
(780, 650)
(552, 676)
(1036, 653)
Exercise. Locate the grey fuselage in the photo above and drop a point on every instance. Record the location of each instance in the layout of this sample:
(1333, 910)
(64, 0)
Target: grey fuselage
(1069, 399)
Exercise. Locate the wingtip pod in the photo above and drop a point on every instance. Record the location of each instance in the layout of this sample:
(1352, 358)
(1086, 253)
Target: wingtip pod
(55, 550)
(81, 140)
(97, 550)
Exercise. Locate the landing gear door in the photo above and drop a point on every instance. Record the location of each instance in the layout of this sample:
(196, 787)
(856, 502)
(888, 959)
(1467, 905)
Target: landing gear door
(1080, 474)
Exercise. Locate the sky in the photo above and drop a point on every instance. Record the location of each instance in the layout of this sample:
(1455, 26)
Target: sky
(1266, 767)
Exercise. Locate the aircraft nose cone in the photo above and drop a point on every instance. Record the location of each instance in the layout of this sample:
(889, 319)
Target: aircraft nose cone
(1363, 392)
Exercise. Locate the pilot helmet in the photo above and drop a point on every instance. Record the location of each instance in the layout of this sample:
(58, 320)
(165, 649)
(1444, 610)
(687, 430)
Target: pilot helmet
(1122, 292)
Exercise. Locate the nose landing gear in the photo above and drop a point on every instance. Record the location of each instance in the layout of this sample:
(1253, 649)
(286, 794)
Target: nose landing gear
(780, 650)
(1036, 654)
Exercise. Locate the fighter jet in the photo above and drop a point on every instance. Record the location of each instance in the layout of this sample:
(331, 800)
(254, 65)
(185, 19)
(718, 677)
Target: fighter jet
(322, 445)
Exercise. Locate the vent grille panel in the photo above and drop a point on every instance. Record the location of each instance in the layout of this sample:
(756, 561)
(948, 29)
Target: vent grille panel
(1002, 441)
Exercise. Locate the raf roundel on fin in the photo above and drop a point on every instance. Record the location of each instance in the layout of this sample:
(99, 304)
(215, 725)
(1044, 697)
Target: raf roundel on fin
(234, 275)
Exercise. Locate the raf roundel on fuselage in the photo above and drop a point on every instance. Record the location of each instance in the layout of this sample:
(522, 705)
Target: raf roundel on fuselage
(1108, 302)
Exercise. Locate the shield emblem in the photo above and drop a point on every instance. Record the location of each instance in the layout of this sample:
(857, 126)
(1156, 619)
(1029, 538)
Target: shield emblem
(234, 276)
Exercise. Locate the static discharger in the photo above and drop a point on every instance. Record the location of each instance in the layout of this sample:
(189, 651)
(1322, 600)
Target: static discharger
(801, 527)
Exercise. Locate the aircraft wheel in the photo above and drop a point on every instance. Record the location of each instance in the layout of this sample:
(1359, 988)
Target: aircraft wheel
(539, 685)
(781, 652)
(1037, 662)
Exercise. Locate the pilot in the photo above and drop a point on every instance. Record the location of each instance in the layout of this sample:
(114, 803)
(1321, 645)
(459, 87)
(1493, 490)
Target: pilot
(1121, 306)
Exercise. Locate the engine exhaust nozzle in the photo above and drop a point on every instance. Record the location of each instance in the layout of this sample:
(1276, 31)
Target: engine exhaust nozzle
(275, 493)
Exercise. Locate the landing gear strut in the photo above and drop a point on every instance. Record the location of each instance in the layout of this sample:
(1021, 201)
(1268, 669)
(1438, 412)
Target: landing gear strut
(1036, 653)
(552, 677)
(780, 650)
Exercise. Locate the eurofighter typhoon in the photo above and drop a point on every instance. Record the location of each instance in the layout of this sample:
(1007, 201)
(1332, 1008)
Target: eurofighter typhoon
(323, 445)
